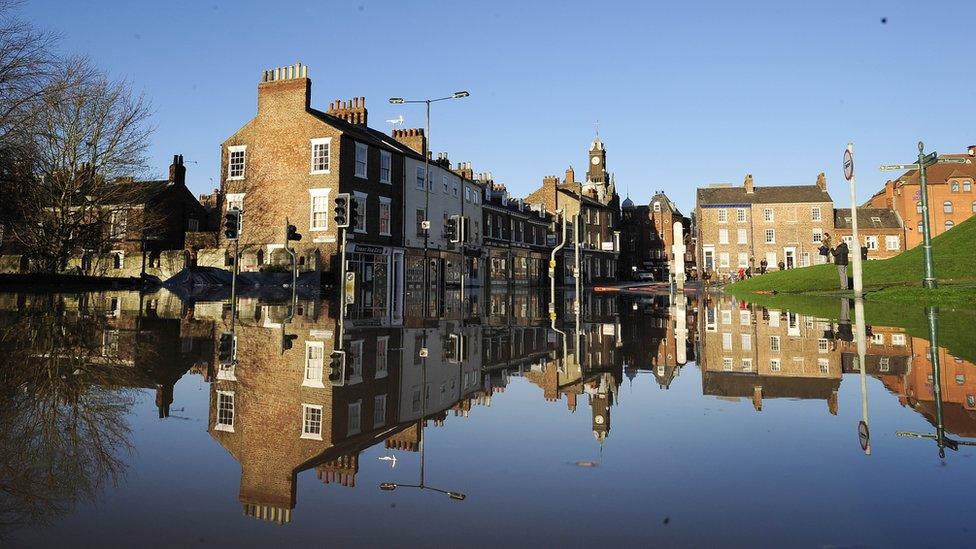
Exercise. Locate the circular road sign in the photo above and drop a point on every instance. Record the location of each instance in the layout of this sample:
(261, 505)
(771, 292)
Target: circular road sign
(848, 164)
(863, 435)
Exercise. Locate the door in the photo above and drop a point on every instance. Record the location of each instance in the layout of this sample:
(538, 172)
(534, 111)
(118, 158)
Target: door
(396, 287)
(790, 257)
(709, 258)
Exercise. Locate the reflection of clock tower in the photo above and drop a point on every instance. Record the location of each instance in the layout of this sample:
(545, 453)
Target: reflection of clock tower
(600, 406)
(598, 162)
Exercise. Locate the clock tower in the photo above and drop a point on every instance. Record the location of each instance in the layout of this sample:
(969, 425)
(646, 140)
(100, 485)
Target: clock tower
(598, 162)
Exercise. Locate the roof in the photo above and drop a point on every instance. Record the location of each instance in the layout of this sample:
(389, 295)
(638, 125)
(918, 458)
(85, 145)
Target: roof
(734, 384)
(663, 198)
(628, 203)
(366, 134)
(940, 173)
(781, 194)
(868, 218)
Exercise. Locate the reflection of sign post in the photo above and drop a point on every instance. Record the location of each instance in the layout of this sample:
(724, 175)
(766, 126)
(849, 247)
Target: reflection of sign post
(350, 287)
(863, 434)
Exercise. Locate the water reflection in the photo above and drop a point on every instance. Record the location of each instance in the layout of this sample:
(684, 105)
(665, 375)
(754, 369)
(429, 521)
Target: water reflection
(70, 366)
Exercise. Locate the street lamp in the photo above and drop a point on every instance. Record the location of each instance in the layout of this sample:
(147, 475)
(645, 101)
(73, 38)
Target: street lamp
(391, 486)
(924, 161)
(426, 152)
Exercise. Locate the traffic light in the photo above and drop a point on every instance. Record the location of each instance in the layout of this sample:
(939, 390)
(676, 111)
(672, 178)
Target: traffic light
(353, 212)
(292, 233)
(337, 368)
(232, 224)
(227, 348)
(342, 201)
(451, 229)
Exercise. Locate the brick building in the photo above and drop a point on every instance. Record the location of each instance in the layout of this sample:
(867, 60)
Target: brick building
(880, 229)
(738, 227)
(952, 199)
(516, 243)
(647, 237)
(290, 161)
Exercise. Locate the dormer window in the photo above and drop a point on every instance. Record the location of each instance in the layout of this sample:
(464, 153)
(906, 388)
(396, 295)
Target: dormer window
(657, 206)
(954, 187)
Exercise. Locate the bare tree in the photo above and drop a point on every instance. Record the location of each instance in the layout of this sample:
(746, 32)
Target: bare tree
(26, 66)
(64, 190)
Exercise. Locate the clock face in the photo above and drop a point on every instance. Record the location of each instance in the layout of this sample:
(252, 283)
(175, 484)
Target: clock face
(599, 420)
(595, 160)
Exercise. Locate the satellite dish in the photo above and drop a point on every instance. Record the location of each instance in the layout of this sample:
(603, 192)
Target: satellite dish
(398, 121)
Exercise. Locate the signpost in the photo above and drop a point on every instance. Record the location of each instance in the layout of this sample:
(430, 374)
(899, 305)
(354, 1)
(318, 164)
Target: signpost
(849, 175)
(924, 161)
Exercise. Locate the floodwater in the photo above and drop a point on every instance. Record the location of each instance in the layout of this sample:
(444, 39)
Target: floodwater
(641, 421)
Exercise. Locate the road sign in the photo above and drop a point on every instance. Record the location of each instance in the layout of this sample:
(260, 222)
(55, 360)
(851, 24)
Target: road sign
(930, 158)
(350, 288)
(863, 434)
(848, 165)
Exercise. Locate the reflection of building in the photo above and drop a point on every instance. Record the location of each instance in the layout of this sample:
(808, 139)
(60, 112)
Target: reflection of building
(657, 336)
(752, 352)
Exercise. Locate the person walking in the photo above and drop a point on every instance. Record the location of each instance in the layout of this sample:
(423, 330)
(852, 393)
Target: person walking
(840, 254)
(763, 265)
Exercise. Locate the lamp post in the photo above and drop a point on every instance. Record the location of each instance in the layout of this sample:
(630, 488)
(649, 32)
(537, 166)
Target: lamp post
(426, 152)
(924, 161)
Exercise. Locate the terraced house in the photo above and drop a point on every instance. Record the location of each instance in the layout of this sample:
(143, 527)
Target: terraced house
(738, 227)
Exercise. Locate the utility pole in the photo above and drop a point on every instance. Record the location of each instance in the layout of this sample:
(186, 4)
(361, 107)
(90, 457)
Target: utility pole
(849, 175)
(923, 162)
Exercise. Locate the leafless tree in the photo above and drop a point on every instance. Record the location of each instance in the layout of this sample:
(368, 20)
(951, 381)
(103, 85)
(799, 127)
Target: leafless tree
(26, 66)
(63, 192)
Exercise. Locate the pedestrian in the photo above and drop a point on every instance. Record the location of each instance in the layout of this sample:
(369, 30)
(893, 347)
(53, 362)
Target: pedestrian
(782, 266)
(763, 265)
(825, 246)
(840, 254)
(742, 273)
(749, 271)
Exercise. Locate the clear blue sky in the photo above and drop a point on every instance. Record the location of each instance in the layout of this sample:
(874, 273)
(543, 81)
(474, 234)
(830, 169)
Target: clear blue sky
(687, 93)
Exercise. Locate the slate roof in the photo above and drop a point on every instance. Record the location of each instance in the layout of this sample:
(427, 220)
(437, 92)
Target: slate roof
(868, 218)
(782, 194)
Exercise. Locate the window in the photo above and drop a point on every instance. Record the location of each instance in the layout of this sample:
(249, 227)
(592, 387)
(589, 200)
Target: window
(818, 235)
(420, 177)
(362, 150)
(743, 259)
(192, 225)
(723, 236)
(744, 318)
(447, 187)
(871, 242)
(355, 361)
(379, 411)
(774, 364)
(382, 352)
(746, 364)
(118, 224)
(770, 236)
(722, 215)
(815, 213)
(877, 339)
(768, 214)
(727, 364)
(320, 155)
(954, 187)
(897, 339)
(384, 222)
(892, 242)
(311, 421)
(823, 345)
(353, 424)
(467, 194)
(967, 186)
(723, 259)
(386, 167)
(740, 236)
(884, 364)
(454, 189)
(947, 206)
(314, 353)
(726, 317)
(824, 365)
(949, 224)
(235, 201)
(360, 199)
(727, 342)
(740, 215)
(319, 216)
(774, 344)
(225, 411)
(974, 206)
(920, 227)
(746, 342)
(235, 162)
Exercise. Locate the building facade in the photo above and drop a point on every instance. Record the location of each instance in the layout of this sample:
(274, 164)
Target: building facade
(880, 229)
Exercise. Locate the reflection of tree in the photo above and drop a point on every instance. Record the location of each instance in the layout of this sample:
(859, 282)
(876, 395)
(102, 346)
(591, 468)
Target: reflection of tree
(62, 422)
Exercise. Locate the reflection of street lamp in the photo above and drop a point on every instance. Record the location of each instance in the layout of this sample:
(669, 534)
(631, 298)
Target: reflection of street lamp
(391, 486)
(427, 179)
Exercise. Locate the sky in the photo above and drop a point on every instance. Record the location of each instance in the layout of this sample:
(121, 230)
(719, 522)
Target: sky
(685, 94)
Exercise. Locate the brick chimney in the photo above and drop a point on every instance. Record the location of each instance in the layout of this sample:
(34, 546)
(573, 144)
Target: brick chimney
(283, 89)
(442, 160)
(352, 111)
(413, 138)
(464, 170)
(822, 181)
(177, 171)
(748, 184)
(550, 181)
(570, 176)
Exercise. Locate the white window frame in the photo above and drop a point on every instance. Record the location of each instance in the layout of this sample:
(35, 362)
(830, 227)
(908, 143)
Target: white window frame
(230, 166)
(770, 236)
(775, 365)
(327, 141)
(379, 402)
(726, 341)
(363, 200)
(740, 215)
(723, 236)
(364, 173)
(743, 259)
(235, 198)
(312, 195)
(387, 202)
(723, 259)
(226, 427)
(386, 167)
(356, 361)
(768, 215)
(816, 214)
(823, 345)
(312, 435)
(314, 381)
(722, 215)
(824, 365)
(898, 339)
(892, 242)
(727, 363)
(354, 411)
(741, 236)
(746, 364)
(746, 341)
(818, 235)
(774, 344)
(871, 242)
